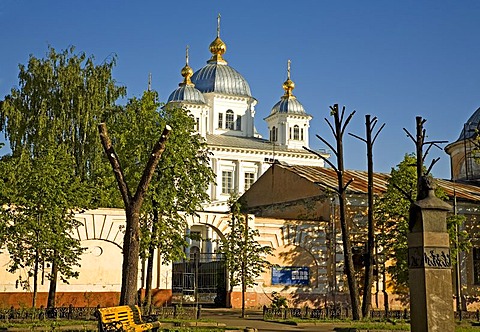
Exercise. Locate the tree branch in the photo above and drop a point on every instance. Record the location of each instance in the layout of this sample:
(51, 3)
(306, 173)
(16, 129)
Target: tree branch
(328, 144)
(378, 132)
(349, 118)
(348, 183)
(434, 161)
(331, 127)
(358, 137)
(115, 162)
(323, 158)
(410, 135)
(407, 196)
(151, 165)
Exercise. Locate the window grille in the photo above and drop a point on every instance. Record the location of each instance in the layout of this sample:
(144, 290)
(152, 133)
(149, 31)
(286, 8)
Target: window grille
(296, 132)
(220, 120)
(229, 120)
(227, 182)
(249, 180)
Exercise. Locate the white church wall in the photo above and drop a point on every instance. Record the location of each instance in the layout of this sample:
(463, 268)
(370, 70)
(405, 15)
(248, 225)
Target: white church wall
(240, 107)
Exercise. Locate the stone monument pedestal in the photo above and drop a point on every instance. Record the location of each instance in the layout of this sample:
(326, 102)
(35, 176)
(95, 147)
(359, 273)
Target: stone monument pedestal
(429, 263)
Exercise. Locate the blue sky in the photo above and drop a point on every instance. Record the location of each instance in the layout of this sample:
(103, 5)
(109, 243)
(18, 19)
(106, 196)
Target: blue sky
(392, 59)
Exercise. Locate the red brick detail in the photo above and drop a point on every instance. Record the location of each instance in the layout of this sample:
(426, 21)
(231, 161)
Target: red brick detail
(63, 299)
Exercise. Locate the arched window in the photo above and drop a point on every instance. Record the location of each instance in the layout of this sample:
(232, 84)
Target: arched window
(301, 134)
(229, 120)
(296, 132)
(273, 134)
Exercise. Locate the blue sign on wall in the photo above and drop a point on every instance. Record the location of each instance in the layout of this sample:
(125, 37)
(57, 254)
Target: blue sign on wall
(291, 275)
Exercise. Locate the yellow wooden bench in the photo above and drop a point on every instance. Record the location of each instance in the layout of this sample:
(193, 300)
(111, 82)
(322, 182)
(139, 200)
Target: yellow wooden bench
(123, 318)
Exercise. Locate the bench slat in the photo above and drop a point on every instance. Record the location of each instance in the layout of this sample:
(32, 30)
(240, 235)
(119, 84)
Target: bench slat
(127, 318)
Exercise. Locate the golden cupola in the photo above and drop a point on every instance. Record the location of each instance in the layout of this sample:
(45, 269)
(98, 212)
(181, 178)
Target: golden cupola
(218, 47)
(187, 72)
(288, 102)
(186, 93)
(217, 76)
(288, 85)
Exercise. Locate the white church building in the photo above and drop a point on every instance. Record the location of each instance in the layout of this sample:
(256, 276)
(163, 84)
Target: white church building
(220, 100)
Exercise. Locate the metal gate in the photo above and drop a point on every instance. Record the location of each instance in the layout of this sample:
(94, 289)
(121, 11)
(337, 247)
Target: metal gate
(200, 280)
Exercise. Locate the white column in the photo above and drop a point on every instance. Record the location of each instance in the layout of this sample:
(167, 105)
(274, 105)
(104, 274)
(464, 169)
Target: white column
(213, 186)
(237, 184)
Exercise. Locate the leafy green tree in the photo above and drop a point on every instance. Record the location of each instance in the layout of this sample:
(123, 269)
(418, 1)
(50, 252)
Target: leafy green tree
(58, 102)
(133, 205)
(39, 214)
(60, 99)
(7, 188)
(179, 189)
(245, 258)
(180, 183)
(392, 210)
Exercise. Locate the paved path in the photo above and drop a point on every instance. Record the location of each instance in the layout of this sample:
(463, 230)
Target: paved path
(231, 317)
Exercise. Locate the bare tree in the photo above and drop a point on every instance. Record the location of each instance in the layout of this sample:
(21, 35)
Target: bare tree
(338, 130)
(420, 142)
(133, 204)
(369, 261)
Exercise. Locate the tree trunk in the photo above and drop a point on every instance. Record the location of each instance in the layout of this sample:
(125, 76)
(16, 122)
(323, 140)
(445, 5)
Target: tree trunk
(35, 278)
(244, 267)
(419, 152)
(148, 282)
(349, 267)
(243, 288)
(347, 246)
(150, 262)
(53, 284)
(367, 285)
(133, 204)
(131, 253)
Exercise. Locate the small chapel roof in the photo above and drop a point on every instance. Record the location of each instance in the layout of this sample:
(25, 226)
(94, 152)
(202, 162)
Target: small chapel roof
(288, 103)
(186, 92)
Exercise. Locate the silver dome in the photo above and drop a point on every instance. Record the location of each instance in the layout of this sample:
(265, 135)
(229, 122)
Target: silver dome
(186, 93)
(221, 78)
(288, 105)
(470, 127)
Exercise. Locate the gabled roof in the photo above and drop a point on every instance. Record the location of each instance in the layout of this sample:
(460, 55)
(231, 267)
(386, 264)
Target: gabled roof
(327, 178)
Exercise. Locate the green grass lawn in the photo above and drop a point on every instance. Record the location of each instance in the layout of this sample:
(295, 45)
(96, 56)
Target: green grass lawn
(91, 325)
(50, 325)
